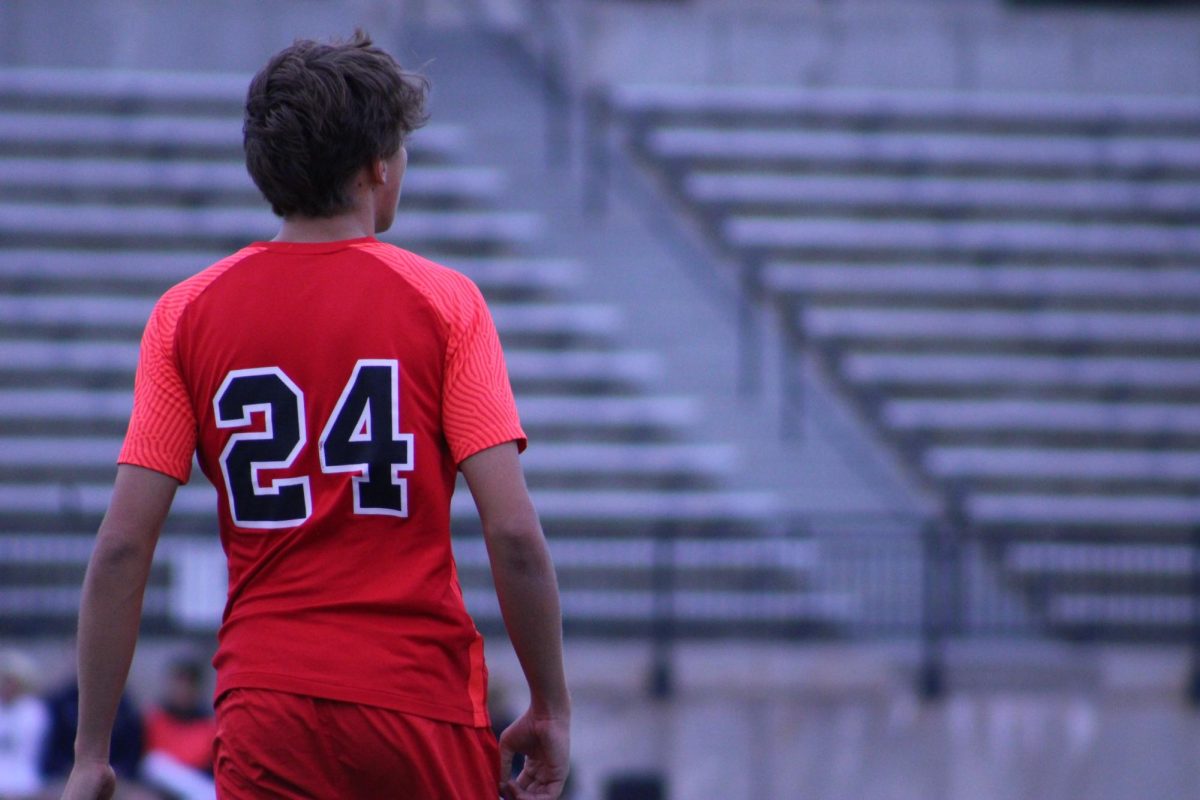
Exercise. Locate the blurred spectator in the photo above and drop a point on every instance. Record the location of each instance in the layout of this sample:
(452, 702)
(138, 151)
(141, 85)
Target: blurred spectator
(180, 734)
(58, 756)
(502, 716)
(23, 724)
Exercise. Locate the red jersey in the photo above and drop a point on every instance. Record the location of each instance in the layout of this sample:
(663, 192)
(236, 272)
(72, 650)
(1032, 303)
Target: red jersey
(330, 391)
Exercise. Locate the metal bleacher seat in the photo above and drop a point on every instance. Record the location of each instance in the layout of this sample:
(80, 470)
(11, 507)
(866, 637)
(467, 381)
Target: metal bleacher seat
(585, 510)
(899, 108)
(1007, 238)
(940, 371)
(202, 181)
(1007, 285)
(1061, 417)
(597, 414)
(1070, 465)
(1030, 154)
(1064, 284)
(524, 320)
(626, 562)
(151, 272)
(1089, 610)
(1139, 514)
(39, 133)
(951, 195)
(1032, 327)
(1089, 558)
(88, 457)
(112, 363)
(446, 229)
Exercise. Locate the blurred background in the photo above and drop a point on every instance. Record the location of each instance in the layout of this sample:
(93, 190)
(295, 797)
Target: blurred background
(858, 342)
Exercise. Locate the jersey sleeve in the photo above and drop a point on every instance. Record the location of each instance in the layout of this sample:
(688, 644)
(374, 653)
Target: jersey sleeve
(162, 429)
(478, 409)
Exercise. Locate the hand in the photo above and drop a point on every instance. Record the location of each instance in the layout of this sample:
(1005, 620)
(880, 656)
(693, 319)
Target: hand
(90, 781)
(545, 741)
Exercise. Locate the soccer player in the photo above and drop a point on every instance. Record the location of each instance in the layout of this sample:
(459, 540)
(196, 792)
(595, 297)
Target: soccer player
(332, 386)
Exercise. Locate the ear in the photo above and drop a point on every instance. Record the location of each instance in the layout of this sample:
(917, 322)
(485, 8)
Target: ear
(378, 171)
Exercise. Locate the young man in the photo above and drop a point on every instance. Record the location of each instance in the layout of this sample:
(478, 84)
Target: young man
(332, 386)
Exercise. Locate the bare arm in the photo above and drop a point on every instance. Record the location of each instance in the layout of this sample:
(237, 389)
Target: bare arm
(527, 589)
(110, 614)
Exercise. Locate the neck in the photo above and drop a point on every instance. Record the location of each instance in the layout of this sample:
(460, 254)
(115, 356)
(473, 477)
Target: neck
(325, 229)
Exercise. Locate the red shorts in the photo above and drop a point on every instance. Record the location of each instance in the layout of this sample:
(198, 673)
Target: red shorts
(279, 745)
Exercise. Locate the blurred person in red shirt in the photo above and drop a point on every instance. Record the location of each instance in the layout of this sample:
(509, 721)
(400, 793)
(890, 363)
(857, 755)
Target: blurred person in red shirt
(179, 735)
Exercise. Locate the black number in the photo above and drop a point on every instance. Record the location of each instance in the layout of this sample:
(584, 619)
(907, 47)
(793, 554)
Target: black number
(286, 501)
(363, 435)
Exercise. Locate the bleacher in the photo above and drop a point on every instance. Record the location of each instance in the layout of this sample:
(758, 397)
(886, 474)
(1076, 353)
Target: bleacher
(1006, 286)
(115, 185)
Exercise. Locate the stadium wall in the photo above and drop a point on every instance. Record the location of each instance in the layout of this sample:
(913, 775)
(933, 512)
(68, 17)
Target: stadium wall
(913, 44)
(1141, 48)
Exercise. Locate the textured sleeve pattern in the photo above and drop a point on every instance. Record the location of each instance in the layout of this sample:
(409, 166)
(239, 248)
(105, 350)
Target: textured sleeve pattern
(162, 428)
(478, 409)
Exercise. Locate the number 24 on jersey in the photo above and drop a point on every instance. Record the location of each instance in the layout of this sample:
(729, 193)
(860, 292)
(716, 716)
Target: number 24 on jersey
(362, 436)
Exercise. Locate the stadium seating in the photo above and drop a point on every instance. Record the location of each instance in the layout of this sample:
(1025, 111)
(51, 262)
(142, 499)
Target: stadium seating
(114, 186)
(1007, 286)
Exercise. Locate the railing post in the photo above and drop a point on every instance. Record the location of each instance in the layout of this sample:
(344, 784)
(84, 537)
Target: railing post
(749, 338)
(792, 351)
(931, 678)
(596, 156)
(556, 82)
(661, 683)
(1193, 680)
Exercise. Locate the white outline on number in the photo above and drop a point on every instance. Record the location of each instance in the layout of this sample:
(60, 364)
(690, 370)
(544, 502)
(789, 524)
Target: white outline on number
(269, 433)
(396, 467)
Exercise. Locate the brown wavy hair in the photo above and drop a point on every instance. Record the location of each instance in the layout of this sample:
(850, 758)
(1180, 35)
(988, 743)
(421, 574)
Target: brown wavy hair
(317, 113)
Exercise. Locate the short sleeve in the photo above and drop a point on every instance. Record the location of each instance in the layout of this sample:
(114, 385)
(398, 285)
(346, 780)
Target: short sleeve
(162, 428)
(478, 409)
